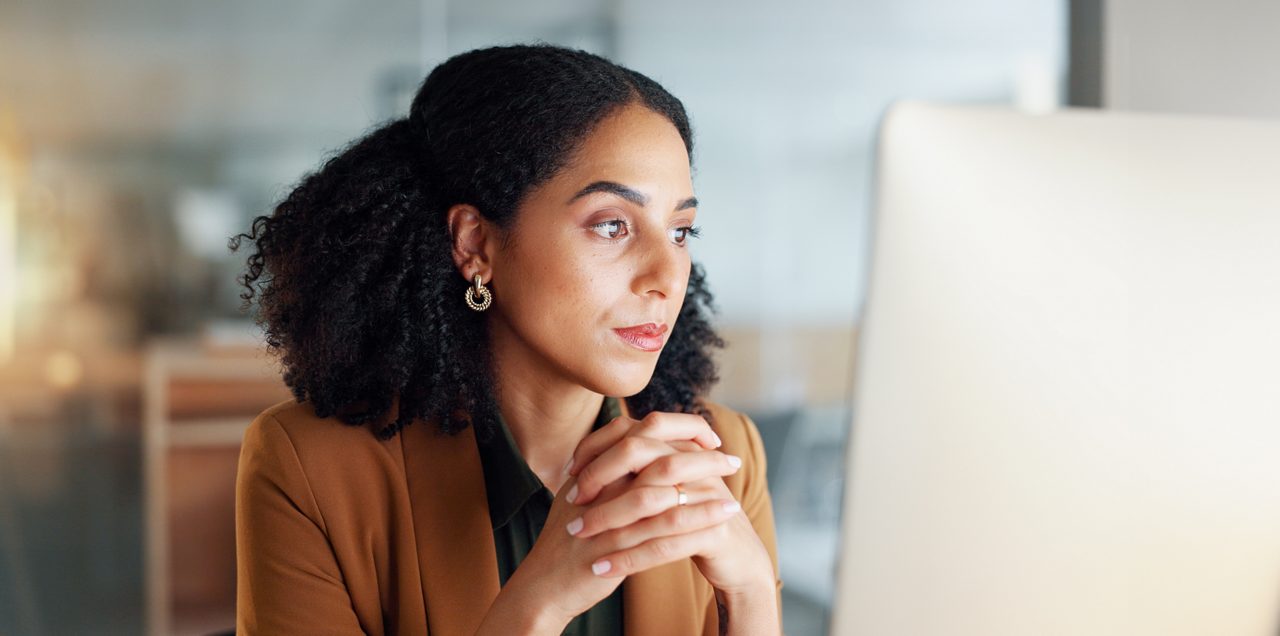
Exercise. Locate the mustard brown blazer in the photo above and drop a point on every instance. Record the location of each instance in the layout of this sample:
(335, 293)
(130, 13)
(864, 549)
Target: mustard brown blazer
(340, 533)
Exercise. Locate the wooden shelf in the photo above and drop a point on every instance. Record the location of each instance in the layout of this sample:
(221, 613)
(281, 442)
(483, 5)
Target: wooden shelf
(197, 404)
(223, 431)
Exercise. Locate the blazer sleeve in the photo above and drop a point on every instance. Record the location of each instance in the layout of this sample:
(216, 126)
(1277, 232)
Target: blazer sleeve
(287, 577)
(758, 506)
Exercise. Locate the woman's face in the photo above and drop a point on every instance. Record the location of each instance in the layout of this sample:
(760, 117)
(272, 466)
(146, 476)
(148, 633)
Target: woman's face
(593, 274)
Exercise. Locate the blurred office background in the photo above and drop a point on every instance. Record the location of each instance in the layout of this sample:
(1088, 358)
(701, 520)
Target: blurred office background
(137, 135)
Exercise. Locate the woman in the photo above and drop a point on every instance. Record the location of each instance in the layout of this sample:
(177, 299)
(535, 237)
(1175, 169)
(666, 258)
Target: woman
(459, 298)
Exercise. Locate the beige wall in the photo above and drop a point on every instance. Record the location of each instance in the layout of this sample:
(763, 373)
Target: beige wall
(787, 366)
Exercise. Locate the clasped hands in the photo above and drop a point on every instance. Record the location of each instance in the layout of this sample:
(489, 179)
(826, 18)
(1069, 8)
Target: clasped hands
(617, 514)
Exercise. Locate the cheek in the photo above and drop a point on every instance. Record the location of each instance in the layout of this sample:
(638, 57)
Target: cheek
(588, 290)
(560, 292)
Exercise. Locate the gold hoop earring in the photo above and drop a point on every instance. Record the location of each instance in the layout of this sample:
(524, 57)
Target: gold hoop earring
(486, 297)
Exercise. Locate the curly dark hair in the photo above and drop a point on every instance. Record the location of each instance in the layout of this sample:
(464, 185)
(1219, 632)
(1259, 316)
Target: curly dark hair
(353, 273)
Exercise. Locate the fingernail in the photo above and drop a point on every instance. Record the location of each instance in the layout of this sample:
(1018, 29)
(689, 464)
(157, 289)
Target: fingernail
(734, 461)
(732, 506)
(600, 567)
(575, 526)
(716, 438)
(573, 494)
(568, 467)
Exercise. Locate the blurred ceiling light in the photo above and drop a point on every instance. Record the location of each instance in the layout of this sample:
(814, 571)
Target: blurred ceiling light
(205, 220)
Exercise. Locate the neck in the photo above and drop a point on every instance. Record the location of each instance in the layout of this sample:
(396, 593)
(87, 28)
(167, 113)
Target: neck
(547, 414)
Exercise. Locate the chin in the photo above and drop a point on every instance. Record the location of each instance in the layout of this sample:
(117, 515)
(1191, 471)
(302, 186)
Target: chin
(624, 380)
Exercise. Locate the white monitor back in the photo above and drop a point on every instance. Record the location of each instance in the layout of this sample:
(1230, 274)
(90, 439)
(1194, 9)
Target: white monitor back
(1067, 411)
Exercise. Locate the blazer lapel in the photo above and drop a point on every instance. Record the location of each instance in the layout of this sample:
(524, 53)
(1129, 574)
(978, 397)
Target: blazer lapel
(663, 600)
(456, 556)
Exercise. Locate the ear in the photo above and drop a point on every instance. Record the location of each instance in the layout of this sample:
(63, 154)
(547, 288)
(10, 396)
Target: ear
(473, 242)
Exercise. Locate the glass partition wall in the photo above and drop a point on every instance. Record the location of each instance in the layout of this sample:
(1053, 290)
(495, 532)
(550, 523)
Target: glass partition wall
(135, 137)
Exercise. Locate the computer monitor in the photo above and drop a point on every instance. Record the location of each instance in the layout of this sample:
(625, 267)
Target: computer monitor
(1067, 401)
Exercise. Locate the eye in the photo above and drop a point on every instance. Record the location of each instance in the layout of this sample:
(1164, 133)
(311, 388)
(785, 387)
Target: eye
(681, 235)
(611, 229)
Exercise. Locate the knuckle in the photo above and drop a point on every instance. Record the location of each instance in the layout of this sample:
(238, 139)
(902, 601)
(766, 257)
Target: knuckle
(647, 426)
(649, 499)
(622, 424)
(625, 562)
(587, 477)
(632, 445)
(664, 467)
(665, 549)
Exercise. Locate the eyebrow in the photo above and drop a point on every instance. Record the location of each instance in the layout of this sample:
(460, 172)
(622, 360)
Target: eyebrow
(628, 193)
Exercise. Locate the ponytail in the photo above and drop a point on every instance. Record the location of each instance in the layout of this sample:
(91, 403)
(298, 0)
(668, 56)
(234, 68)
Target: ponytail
(354, 268)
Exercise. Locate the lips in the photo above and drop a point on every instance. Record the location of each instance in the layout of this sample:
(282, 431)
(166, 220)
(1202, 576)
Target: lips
(646, 337)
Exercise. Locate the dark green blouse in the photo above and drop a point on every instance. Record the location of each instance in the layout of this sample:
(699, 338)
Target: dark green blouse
(518, 508)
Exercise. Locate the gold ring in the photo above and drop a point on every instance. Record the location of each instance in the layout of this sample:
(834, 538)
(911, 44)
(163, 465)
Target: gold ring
(682, 497)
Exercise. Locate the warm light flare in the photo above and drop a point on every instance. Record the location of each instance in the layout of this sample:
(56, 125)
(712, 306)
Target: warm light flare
(63, 370)
(8, 252)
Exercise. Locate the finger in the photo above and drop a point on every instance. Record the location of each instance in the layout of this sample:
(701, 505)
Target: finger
(656, 425)
(621, 484)
(630, 455)
(618, 487)
(598, 441)
(707, 529)
(685, 445)
(653, 492)
(679, 468)
(628, 508)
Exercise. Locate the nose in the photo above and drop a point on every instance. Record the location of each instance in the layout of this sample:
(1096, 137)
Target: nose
(663, 269)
